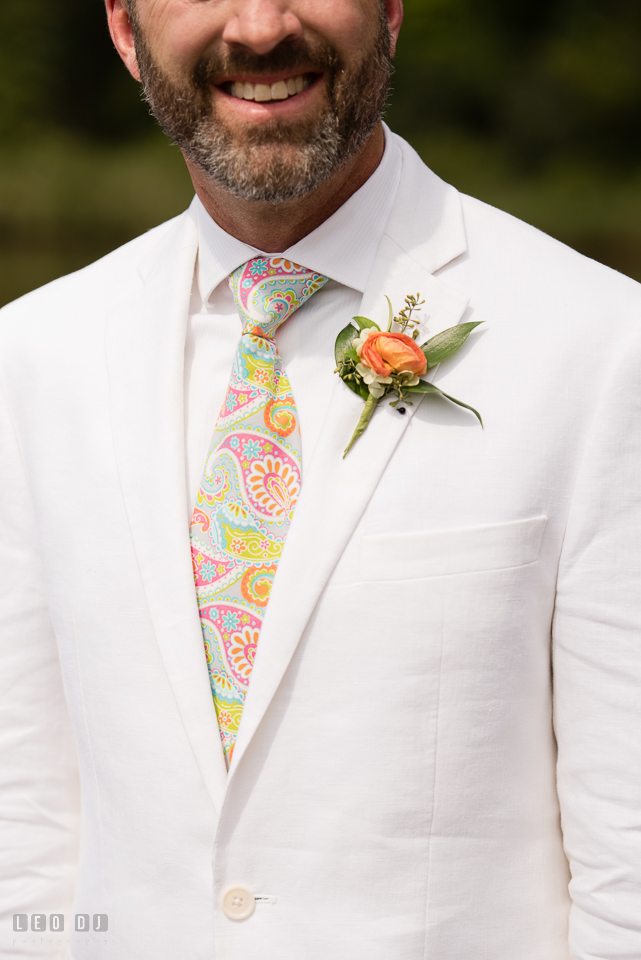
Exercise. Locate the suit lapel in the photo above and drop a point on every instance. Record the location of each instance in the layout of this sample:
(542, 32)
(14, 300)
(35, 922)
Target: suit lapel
(335, 490)
(145, 355)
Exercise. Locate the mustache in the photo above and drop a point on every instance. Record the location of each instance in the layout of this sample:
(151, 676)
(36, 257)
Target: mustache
(300, 55)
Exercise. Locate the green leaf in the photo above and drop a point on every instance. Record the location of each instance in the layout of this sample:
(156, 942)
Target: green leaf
(364, 322)
(344, 342)
(424, 387)
(370, 407)
(359, 388)
(391, 314)
(444, 344)
(354, 386)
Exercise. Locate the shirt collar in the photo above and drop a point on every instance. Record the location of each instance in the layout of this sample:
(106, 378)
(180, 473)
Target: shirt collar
(343, 247)
(218, 252)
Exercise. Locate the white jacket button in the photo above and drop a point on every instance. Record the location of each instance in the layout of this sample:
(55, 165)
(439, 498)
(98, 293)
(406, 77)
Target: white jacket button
(238, 903)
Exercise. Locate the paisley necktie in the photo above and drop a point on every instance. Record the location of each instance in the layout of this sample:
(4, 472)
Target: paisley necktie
(250, 485)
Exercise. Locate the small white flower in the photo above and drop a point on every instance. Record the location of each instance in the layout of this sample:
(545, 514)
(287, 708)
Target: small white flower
(366, 373)
(362, 337)
(376, 390)
(370, 376)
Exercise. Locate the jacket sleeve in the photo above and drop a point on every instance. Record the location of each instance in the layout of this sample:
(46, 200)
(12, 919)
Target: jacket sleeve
(597, 674)
(38, 766)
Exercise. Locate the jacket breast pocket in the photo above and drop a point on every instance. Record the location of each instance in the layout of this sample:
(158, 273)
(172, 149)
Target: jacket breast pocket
(441, 553)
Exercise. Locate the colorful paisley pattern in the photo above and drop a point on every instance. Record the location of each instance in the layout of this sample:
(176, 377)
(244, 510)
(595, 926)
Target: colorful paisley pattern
(250, 485)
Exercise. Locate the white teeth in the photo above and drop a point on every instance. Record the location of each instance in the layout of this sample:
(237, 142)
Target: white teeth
(279, 90)
(263, 92)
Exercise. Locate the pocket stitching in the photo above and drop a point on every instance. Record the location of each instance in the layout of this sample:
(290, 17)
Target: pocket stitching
(531, 528)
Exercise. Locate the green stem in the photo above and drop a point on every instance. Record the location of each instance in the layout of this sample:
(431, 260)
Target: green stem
(366, 416)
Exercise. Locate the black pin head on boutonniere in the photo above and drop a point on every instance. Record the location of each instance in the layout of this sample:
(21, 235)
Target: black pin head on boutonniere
(376, 363)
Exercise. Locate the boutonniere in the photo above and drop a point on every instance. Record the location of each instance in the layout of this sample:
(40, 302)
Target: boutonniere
(376, 363)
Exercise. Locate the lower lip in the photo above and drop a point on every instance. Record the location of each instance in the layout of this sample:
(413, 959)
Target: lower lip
(260, 110)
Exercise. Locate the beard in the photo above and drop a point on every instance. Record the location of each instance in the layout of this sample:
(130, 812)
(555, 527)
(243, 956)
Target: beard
(276, 161)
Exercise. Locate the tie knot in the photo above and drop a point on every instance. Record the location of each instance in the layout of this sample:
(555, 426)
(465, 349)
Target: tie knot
(267, 290)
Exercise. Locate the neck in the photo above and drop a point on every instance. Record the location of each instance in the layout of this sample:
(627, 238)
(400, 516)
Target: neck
(275, 227)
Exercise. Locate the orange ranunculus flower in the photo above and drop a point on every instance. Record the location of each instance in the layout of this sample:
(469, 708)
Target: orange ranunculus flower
(389, 353)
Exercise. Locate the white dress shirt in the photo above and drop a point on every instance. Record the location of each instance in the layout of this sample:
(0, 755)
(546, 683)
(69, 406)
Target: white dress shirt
(342, 248)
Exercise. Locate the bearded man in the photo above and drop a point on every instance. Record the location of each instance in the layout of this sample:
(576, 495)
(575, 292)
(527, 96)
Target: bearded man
(381, 705)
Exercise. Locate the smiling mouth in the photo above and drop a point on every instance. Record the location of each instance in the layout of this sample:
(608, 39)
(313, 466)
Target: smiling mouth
(268, 92)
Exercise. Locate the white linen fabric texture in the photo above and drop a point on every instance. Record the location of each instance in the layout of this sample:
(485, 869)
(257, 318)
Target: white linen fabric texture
(410, 781)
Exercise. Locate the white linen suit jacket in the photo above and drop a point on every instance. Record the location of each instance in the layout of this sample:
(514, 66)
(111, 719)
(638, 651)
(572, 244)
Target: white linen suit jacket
(443, 726)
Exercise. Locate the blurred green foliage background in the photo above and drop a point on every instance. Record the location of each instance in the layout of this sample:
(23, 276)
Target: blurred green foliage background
(531, 105)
